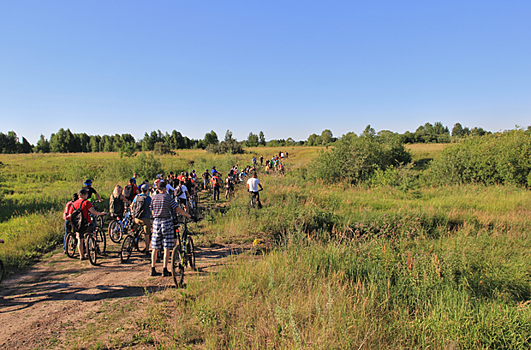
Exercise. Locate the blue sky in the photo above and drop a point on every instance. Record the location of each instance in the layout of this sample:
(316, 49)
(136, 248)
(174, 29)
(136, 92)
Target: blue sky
(288, 68)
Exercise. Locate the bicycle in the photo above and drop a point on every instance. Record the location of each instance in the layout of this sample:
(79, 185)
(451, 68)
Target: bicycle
(90, 246)
(136, 240)
(183, 254)
(117, 227)
(253, 199)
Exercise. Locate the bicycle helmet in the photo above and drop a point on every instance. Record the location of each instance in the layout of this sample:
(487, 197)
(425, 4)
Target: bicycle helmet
(88, 182)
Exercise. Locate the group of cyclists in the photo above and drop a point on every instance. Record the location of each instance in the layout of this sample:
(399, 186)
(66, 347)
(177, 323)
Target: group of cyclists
(156, 205)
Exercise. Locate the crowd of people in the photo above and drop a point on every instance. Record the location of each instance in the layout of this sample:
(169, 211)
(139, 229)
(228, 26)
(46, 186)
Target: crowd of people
(155, 206)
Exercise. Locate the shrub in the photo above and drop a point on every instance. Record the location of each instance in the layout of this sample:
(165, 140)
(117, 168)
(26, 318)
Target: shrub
(229, 146)
(356, 158)
(501, 158)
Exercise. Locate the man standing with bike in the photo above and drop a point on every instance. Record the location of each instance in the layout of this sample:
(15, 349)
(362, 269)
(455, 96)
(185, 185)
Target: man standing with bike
(86, 208)
(163, 235)
(252, 186)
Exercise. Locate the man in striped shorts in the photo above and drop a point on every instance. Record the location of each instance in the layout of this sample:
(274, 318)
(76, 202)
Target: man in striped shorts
(163, 233)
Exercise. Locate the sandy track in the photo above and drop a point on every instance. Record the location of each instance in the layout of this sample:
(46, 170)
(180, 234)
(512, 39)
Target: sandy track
(59, 294)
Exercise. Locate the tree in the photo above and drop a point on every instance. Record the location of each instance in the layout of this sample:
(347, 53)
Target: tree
(252, 140)
(25, 146)
(58, 142)
(314, 140)
(326, 137)
(261, 138)
(228, 136)
(457, 130)
(43, 146)
(211, 138)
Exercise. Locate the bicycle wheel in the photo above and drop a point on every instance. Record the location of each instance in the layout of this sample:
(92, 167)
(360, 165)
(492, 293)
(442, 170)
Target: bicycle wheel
(92, 249)
(71, 244)
(177, 268)
(115, 231)
(190, 253)
(101, 241)
(99, 222)
(2, 270)
(127, 249)
(141, 244)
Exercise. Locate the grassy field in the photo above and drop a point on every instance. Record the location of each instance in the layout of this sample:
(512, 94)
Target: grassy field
(340, 266)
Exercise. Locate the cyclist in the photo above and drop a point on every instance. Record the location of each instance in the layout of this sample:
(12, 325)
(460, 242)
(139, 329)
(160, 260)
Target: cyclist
(252, 186)
(193, 175)
(206, 178)
(130, 191)
(66, 217)
(163, 236)
(144, 219)
(88, 185)
(213, 171)
(254, 161)
(86, 208)
(182, 194)
(216, 184)
(261, 160)
(229, 185)
(116, 203)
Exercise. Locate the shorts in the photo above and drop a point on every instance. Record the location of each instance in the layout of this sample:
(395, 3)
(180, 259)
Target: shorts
(182, 201)
(163, 234)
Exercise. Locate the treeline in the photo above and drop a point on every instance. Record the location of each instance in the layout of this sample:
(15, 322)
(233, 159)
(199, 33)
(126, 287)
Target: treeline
(64, 141)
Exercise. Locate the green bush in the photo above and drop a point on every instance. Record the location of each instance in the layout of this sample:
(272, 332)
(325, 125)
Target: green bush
(357, 158)
(230, 146)
(501, 158)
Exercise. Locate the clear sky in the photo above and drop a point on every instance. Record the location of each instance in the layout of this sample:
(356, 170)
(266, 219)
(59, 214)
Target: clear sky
(289, 68)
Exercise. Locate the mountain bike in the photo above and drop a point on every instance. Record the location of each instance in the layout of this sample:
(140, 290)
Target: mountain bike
(90, 246)
(135, 240)
(183, 254)
(118, 228)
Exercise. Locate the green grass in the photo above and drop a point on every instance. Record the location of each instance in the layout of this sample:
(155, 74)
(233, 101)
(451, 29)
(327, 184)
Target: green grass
(354, 266)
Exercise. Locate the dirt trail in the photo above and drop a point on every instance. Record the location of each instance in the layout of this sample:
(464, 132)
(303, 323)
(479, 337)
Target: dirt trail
(61, 291)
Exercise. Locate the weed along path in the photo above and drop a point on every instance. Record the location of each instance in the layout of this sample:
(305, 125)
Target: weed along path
(60, 295)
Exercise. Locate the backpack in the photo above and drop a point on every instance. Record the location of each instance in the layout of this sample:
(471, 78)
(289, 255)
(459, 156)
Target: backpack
(178, 191)
(137, 208)
(116, 206)
(129, 192)
(77, 219)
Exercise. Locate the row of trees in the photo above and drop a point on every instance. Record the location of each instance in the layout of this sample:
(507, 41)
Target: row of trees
(64, 141)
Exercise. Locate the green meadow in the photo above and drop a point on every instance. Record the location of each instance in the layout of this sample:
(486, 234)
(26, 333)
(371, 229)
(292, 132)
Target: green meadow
(375, 264)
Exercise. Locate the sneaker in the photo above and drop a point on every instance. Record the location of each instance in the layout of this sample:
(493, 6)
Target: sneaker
(166, 273)
(154, 273)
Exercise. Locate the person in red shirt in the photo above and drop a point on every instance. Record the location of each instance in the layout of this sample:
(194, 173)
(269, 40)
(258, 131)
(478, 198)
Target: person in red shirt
(66, 217)
(86, 207)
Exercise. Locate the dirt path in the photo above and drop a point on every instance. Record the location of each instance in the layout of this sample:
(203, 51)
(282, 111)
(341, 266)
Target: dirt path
(60, 291)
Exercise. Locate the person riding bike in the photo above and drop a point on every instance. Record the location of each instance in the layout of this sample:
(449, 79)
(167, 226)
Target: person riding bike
(88, 185)
(252, 186)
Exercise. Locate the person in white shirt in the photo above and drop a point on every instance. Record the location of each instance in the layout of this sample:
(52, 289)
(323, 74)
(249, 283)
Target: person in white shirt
(254, 186)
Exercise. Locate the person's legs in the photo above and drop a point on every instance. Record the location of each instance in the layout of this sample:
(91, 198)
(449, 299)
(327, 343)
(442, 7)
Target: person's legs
(156, 244)
(67, 229)
(80, 245)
